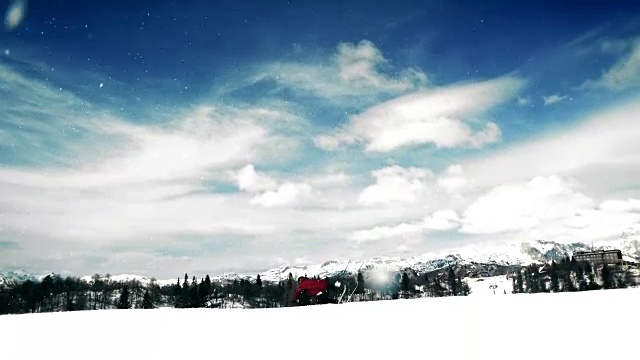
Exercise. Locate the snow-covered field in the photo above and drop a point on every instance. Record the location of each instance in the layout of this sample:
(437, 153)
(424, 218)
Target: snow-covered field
(585, 325)
(489, 286)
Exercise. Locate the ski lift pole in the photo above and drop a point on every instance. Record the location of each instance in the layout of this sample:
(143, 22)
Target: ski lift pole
(356, 288)
(345, 269)
(344, 290)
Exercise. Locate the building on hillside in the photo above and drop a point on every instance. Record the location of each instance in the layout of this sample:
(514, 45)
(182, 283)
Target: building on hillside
(478, 274)
(600, 257)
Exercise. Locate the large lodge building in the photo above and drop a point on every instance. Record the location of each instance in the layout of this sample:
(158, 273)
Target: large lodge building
(600, 257)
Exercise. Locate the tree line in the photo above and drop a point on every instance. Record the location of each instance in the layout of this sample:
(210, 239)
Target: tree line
(56, 293)
(569, 275)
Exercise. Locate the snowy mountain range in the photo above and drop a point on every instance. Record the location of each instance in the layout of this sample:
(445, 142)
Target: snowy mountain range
(501, 255)
(497, 254)
(19, 276)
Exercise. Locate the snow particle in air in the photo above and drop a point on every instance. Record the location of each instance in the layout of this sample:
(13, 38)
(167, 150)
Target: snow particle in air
(101, 85)
(7, 52)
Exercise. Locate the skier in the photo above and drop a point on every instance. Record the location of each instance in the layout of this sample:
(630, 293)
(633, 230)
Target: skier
(312, 291)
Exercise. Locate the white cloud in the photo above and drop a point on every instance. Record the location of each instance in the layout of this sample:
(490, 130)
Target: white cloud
(586, 225)
(628, 205)
(441, 220)
(358, 65)
(520, 206)
(440, 117)
(601, 151)
(523, 101)
(395, 184)
(355, 70)
(138, 182)
(248, 179)
(554, 99)
(386, 232)
(453, 180)
(624, 74)
(190, 147)
(330, 179)
(157, 183)
(286, 194)
(403, 248)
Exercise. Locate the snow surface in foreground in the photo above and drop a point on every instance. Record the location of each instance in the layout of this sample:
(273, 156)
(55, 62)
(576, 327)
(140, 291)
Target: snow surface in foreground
(586, 325)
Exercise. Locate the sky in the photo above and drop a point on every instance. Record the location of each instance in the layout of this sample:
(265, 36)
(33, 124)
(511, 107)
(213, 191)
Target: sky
(164, 137)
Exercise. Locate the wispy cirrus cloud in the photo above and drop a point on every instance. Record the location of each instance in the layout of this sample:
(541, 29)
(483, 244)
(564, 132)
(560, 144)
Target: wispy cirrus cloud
(625, 73)
(573, 150)
(355, 71)
(441, 117)
(554, 99)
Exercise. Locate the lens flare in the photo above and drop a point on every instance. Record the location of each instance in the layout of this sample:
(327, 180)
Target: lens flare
(15, 14)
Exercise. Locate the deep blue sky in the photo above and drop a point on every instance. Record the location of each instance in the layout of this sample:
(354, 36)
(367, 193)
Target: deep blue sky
(196, 43)
(138, 136)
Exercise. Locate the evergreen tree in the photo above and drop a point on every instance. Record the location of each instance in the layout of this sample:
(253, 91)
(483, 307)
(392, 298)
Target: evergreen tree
(532, 278)
(177, 295)
(185, 295)
(246, 290)
(258, 287)
(405, 284)
(124, 302)
(582, 283)
(608, 281)
(568, 281)
(464, 287)
(147, 301)
(590, 275)
(620, 282)
(289, 291)
(566, 269)
(451, 279)
(360, 284)
(538, 279)
(27, 293)
(290, 281)
(205, 290)
(520, 287)
(555, 281)
(194, 300)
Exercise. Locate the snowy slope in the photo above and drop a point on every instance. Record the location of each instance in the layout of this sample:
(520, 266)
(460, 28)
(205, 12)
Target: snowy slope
(483, 327)
(490, 286)
(630, 241)
(419, 263)
(128, 277)
(19, 276)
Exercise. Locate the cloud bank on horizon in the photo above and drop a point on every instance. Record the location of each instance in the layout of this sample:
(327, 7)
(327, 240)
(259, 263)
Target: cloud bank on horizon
(182, 148)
